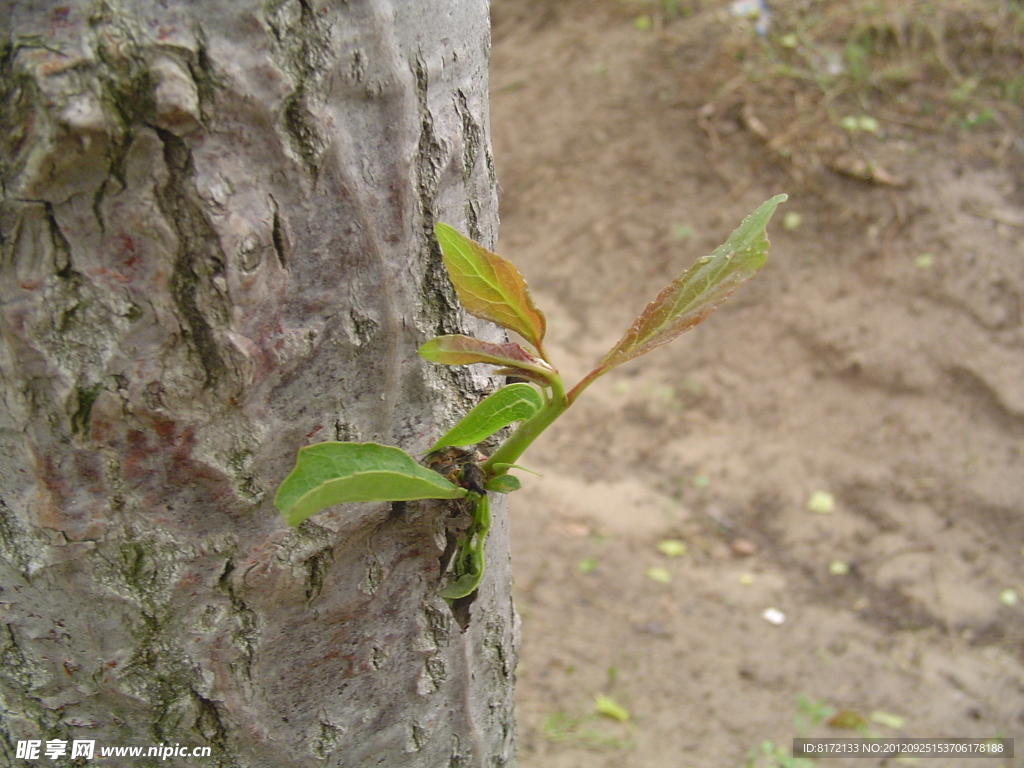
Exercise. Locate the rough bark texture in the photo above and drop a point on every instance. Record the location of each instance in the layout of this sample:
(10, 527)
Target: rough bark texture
(216, 249)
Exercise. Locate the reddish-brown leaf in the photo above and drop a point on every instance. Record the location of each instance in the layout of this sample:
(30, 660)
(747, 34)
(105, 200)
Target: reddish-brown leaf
(696, 293)
(465, 350)
(488, 286)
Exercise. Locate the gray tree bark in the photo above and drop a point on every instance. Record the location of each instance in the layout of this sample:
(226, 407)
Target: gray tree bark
(216, 248)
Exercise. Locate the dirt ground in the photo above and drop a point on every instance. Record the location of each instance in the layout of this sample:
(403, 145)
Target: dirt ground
(878, 357)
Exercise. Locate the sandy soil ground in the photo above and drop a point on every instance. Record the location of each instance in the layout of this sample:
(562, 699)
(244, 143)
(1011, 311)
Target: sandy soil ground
(877, 358)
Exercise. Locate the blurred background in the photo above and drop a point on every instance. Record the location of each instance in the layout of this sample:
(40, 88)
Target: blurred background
(804, 517)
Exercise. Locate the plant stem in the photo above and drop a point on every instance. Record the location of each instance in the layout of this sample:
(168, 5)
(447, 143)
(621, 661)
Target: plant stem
(509, 451)
(585, 382)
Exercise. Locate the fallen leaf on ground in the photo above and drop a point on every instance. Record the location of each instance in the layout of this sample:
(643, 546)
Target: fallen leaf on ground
(866, 170)
(671, 547)
(847, 719)
(607, 706)
(658, 574)
(887, 719)
(822, 503)
(743, 547)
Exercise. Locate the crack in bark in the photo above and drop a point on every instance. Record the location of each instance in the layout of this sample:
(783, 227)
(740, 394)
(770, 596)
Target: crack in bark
(19, 95)
(440, 308)
(473, 219)
(10, 534)
(438, 294)
(472, 140)
(471, 135)
(210, 724)
(114, 478)
(204, 74)
(61, 246)
(125, 76)
(19, 677)
(303, 50)
(344, 431)
(85, 396)
(316, 569)
(330, 738)
(199, 257)
(302, 134)
(279, 238)
(247, 633)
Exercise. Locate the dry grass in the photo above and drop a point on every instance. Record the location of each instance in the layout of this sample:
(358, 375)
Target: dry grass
(862, 76)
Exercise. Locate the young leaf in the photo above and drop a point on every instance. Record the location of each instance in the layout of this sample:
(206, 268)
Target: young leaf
(697, 292)
(499, 409)
(326, 474)
(503, 467)
(465, 350)
(467, 567)
(488, 286)
(503, 484)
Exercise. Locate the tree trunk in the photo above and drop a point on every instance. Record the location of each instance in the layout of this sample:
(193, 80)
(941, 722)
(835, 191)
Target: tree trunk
(217, 248)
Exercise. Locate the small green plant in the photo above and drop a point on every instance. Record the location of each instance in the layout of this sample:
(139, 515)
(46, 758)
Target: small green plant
(490, 288)
(585, 730)
(770, 755)
(810, 713)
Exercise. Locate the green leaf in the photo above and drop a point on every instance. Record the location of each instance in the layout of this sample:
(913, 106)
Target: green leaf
(457, 349)
(696, 293)
(488, 286)
(512, 403)
(326, 474)
(467, 566)
(502, 467)
(503, 484)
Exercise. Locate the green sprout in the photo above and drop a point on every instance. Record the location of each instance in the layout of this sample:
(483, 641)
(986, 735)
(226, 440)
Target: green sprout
(490, 288)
